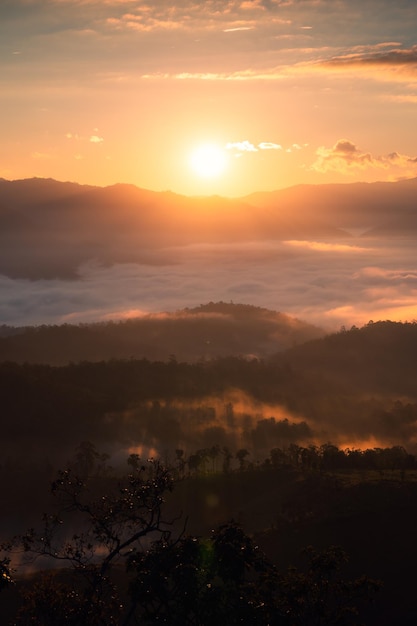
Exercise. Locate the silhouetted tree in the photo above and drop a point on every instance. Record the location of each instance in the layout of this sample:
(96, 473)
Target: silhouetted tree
(213, 453)
(278, 457)
(320, 595)
(294, 454)
(194, 462)
(310, 458)
(241, 457)
(201, 582)
(331, 457)
(227, 579)
(180, 458)
(94, 531)
(228, 456)
(5, 575)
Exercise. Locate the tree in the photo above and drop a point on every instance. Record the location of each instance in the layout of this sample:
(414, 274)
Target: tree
(228, 456)
(5, 575)
(227, 579)
(278, 458)
(294, 454)
(98, 525)
(201, 582)
(180, 458)
(88, 459)
(194, 462)
(310, 458)
(213, 453)
(241, 457)
(320, 595)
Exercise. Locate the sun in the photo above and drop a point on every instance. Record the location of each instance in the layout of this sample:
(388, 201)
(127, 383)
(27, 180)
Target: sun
(209, 160)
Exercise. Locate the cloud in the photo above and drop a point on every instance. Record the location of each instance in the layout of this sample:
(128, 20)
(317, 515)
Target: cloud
(237, 28)
(377, 56)
(95, 138)
(396, 65)
(378, 275)
(322, 246)
(220, 41)
(242, 146)
(265, 74)
(190, 16)
(268, 145)
(380, 62)
(206, 28)
(401, 160)
(296, 147)
(345, 157)
(327, 283)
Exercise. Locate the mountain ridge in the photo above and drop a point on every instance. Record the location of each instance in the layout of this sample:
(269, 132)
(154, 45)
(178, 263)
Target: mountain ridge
(49, 229)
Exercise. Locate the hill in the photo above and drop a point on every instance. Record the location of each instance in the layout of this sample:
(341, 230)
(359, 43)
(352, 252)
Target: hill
(208, 331)
(338, 389)
(378, 358)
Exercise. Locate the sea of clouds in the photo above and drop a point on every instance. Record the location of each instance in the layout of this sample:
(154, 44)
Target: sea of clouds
(326, 283)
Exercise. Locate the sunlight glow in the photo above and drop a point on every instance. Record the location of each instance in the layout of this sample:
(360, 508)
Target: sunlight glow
(209, 160)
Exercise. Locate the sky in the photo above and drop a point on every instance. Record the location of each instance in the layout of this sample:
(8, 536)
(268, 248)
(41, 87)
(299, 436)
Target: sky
(222, 98)
(284, 92)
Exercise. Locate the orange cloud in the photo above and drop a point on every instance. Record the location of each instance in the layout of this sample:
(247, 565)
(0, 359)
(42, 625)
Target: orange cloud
(242, 146)
(376, 62)
(344, 156)
(322, 246)
(252, 5)
(396, 57)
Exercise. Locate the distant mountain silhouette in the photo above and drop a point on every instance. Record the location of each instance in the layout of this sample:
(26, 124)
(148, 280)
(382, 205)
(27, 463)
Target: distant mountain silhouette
(48, 228)
(206, 332)
(366, 207)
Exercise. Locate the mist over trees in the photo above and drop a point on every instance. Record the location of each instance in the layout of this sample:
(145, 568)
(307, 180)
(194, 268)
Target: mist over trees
(341, 388)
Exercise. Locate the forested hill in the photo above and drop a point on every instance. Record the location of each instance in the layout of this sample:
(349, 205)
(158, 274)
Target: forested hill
(208, 331)
(353, 388)
(379, 357)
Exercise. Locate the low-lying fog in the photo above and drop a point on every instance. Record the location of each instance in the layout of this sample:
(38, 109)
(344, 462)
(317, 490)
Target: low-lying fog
(328, 283)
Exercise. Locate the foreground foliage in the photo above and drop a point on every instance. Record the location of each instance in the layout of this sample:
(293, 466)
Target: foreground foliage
(111, 558)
